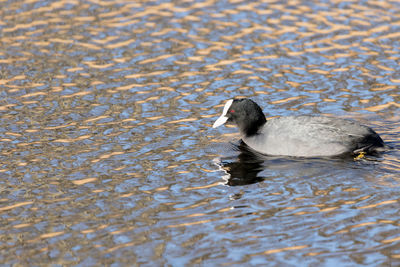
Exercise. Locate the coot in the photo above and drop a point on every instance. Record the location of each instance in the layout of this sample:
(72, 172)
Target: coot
(299, 136)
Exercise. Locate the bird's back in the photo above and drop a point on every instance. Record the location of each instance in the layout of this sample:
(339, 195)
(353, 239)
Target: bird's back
(310, 136)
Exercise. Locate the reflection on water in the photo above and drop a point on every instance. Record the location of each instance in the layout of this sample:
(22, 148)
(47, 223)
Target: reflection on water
(106, 146)
(249, 166)
(243, 169)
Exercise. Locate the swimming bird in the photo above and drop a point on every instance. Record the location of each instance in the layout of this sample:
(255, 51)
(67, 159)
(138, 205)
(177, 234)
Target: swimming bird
(299, 136)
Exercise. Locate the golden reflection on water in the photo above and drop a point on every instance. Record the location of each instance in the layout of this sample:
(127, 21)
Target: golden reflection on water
(106, 148)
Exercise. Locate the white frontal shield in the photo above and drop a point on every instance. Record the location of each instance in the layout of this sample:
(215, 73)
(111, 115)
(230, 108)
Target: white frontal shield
(223, 118)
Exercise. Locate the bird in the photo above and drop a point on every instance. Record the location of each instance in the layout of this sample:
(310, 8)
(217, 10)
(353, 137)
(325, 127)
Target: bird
(299, 136)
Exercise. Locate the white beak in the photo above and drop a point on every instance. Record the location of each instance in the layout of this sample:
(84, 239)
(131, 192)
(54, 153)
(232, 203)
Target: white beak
(223, 118)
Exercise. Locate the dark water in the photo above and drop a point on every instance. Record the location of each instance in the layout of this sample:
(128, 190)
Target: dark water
(107, 156)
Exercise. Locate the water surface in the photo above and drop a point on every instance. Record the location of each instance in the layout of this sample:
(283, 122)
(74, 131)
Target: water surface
(107, 155)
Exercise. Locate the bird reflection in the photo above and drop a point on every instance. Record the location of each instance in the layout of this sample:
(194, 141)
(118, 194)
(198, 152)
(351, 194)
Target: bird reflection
(242, 169)
(248, 166)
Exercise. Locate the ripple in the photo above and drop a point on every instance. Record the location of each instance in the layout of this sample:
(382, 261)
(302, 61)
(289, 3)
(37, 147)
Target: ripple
(108, 155)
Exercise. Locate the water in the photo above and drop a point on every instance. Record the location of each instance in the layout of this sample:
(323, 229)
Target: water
(107, 155)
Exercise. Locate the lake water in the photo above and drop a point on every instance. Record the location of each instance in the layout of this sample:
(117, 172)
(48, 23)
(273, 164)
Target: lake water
(107, 155)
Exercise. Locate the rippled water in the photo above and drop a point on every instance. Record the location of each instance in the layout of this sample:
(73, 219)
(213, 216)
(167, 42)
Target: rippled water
(107, 155)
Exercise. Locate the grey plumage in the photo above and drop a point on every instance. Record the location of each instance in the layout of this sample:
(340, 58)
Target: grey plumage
(300, 136)
(311, 136)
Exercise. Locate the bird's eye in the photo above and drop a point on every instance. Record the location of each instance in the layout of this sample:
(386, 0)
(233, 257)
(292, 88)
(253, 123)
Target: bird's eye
(232, 111)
